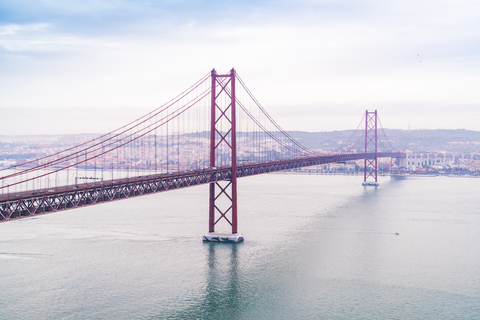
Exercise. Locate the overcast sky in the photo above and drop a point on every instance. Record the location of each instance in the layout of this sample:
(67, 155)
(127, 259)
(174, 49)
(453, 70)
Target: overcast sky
(315, 65)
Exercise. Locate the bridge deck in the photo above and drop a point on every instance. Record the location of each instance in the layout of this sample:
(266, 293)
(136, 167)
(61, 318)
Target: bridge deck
(26, 204)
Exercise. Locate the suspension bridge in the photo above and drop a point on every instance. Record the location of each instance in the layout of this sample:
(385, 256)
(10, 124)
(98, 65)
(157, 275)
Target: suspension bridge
(212, 133)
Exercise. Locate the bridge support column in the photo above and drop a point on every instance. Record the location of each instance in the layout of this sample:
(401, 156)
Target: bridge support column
(223, 194)
(403, 163)
(370, 165)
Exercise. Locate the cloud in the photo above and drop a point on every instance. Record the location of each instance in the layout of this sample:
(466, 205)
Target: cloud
(307, 54)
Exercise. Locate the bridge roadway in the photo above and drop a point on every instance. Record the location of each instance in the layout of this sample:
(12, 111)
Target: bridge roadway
(36, 202)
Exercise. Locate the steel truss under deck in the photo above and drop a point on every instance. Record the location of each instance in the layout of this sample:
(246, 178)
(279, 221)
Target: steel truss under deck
(32, 203)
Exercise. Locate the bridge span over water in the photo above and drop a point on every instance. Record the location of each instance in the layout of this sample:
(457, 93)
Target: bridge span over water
(213, 133)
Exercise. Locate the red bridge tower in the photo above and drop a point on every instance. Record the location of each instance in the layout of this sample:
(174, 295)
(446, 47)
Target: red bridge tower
(223, 194)
(370, 165)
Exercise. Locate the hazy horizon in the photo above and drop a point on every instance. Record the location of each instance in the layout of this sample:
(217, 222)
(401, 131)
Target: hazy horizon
(102, 120)
(75, 121)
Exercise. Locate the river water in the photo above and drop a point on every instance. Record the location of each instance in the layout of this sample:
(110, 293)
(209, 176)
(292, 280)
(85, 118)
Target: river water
(316, 247)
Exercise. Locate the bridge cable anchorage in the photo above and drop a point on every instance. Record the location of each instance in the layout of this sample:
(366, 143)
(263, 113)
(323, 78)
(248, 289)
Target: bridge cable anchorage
(212, 133)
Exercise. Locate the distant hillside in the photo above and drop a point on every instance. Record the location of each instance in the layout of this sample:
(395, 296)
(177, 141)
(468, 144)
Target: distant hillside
(461, 140)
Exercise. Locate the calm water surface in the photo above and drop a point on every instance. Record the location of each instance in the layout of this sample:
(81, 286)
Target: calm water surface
(317, 247)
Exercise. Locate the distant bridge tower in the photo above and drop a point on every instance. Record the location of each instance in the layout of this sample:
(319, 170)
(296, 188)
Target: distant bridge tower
(223, 140)
(370, 165)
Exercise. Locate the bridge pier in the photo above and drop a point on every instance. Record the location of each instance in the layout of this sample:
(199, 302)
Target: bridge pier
(403, 162)
(223, 237)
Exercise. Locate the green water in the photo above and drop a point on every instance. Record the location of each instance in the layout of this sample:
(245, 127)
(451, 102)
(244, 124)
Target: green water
(316, 247)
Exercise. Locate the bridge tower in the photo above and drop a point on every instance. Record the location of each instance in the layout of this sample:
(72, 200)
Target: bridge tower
(223, 140)
(370, 165)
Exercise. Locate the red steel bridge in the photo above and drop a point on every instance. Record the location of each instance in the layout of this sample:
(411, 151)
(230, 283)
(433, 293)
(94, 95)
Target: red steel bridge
(212, 133)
